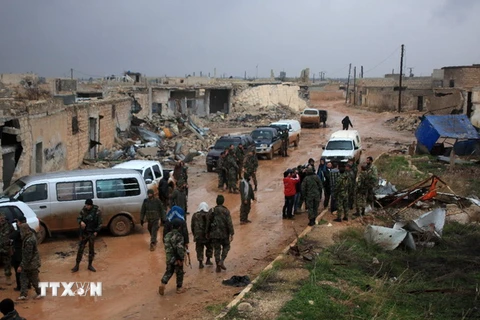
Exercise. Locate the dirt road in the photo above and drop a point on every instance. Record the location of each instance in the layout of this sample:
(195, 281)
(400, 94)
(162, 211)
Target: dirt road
(130, 273)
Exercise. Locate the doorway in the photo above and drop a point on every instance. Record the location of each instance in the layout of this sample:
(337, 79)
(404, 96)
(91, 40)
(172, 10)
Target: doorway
(420, 103)
(92, 133)
(219, 100)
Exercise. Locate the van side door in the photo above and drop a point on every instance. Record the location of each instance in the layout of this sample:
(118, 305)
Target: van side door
(37, 197)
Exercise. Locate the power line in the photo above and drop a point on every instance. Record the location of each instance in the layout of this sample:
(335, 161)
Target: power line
(383, 60)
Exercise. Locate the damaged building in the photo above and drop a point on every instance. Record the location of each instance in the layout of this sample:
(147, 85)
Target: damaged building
(46, 136)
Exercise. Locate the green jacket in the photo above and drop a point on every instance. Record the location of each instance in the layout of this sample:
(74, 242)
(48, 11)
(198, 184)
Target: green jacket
(152, 209)
(311, 187)
(219, 223)
(174, 246)
(92, 218)
(199, 225)
(179, 198)
(30, 255)
(6, 230)
(250, 164)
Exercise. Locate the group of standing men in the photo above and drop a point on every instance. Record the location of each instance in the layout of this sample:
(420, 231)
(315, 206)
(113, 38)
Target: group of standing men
(232, 163)
(343, 188)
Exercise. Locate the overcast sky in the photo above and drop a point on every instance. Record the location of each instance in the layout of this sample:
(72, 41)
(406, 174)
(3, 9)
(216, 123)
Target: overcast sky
(178, 37)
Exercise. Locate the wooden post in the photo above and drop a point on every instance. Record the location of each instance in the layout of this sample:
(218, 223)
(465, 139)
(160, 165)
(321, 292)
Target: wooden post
(348, 82)
(400, 83)
(452, 156)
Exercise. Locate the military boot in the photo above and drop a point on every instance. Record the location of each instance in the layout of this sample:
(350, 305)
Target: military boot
(222, 265)
(90, 267)
(311, 222)
(218, 269)
(161, 289)
(208, 263)
(200, 264)
(152, 246)
(77, 265)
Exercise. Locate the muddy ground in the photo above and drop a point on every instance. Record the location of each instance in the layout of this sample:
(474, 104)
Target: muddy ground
(130, 273)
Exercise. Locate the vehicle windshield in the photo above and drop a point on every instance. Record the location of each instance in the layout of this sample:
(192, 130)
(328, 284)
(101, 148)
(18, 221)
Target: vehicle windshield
(224, 143)
(339, 145)
(261, 134)
(310, 112)
(14, 188)
(281, 126)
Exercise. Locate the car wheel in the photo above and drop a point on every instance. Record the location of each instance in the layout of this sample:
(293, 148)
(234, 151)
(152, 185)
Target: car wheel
(209, 168)
(297, 141)
(121, 226)
(270, 155)
(41, 234)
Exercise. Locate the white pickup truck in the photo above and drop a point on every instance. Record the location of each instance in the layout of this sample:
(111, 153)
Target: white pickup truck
(342, 146)
(152, 171)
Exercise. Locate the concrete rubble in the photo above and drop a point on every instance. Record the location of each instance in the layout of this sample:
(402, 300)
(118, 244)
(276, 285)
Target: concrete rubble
(404, 123)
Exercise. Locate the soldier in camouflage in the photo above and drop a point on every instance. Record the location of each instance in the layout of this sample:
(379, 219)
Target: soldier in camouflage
(240, 156)
(284, 137)
(373, 177)
(153, 212)
(222, 177)
(363, 185)
(220, 232)
(230, 164)
(179, 197)
(311, 193)
(6, 230)
(341, 195)
(90, 222)
(30, 265)
(174, 254)
(246, 197)
(250, 166)
(351, 185)
(199, 225)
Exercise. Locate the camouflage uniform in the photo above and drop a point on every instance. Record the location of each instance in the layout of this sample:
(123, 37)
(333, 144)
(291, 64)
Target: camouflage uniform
(30, 264)
(311, 193)
(351, 189)
(221, 172)
(232, 169)
(219, 230)
(373, 178)
(174, 250)
(333, 177)
(6, 230)
(179, 198)
(284, 137)
(251, 165)
(93, 221)
(152, 212)
(246, 197)
(363, 185)
(240, 156)
(199, 225)
(341, 195)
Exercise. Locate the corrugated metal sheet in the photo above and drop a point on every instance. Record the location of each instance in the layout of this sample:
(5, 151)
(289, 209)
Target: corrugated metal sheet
(447, 126)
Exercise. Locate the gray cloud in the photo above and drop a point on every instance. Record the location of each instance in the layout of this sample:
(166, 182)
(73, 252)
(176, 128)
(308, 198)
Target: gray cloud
(158, 37)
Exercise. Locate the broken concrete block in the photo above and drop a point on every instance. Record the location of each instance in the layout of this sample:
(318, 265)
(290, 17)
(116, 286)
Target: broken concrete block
(150, 151)
(245, 307)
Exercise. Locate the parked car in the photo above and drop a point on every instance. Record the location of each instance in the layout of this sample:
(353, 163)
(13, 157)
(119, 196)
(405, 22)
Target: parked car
(224, 142)
(152, 171)
(13, 210)
(58, 197)
(343, 145)
(313, 117)
(294, 130)
(267, 141)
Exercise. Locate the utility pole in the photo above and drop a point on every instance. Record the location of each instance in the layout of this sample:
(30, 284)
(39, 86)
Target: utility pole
(361, 72)
(71, 74)
(354, 86)
(348, 82)
(400, 82)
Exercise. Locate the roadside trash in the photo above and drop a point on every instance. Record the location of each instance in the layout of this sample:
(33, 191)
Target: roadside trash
(237, 281)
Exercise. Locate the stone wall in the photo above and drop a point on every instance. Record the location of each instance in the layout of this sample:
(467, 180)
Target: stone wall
(463, 77)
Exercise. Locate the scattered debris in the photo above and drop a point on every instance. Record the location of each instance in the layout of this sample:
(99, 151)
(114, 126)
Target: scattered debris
(244, 307)
(404, 123)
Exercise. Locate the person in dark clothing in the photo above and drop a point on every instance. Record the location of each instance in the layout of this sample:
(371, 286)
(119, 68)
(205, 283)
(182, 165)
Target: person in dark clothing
(163, 192)
(7, 308)
(346, 122)
(326, 184)
(17, 250)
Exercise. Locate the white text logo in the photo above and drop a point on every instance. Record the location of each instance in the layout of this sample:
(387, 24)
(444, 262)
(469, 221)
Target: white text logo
(71, 289)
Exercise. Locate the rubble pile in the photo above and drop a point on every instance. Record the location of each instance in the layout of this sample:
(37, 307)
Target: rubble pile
(403, 123)
(251, 119)
(251, 99)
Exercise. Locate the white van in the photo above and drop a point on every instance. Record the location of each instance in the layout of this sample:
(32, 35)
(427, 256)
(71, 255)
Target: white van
(58, 197)
(342, 146)
(152, 171)
(294, 129)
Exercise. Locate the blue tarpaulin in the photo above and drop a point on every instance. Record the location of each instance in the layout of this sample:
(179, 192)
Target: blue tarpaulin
(456, 126)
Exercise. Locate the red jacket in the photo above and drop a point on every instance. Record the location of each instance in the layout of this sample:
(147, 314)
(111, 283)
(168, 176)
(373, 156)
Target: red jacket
(289, 185)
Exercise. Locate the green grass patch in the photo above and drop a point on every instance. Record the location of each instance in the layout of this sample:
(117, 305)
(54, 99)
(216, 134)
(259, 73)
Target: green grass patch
(215, 309)
(346, 282)
(397, 170)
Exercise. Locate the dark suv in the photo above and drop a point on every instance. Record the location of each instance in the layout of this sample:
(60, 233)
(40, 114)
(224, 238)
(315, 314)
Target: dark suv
(224, 142)
(267, 141)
